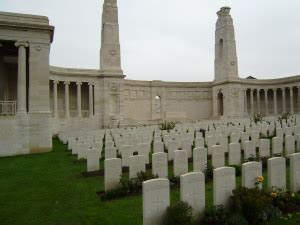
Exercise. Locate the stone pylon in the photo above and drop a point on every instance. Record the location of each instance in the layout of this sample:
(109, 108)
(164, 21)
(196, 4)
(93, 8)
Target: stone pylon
(110, 57)
(226, 63)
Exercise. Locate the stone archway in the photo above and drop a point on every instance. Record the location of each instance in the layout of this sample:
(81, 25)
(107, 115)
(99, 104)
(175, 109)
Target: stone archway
(220, 104)
(157, 107)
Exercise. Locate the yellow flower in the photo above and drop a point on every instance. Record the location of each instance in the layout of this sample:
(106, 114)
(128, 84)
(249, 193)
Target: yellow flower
(260, 179)
(274, 195)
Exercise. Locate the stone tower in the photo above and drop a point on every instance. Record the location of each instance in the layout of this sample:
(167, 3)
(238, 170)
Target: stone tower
(226, 64)
(110, 57)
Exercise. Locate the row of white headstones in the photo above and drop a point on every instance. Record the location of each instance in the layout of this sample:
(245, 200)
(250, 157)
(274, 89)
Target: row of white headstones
(113, 167)
(217, 151)
(156, 192)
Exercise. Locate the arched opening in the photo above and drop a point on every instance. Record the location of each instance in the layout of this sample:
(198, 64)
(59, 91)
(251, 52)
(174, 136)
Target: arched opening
(221, 48)
(221, 104)
(157, 103)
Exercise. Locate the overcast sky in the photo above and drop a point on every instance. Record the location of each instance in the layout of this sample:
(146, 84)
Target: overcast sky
(173, 40)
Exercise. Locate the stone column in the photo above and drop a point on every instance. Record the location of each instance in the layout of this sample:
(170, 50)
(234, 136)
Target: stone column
(55, 83)
(79, 99)
(275, 101)
(266, 102)
(21, 77)
(67, 101)
(298, 106)
(258, 100)
(91, 100)
(291, 100)
(252, 101)
(246, 102)
(283, 101)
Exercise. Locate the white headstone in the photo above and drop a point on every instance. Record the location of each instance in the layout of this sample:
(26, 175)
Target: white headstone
(298, 142)
(211, 141)
(264, 148)
(199, 159)
(187, 146)
(156, 200)
(224, 184)
(250, 173)
(137, 164)
(199, 142)
(144, 149)
(112, 173)
(277, 172)
(127, 151)
(295, 172)
(172, 147)
(160, 164)
(218, 156)
(250, 149)
(82, 151)
(110, 153)
(234, 154)
(224, 142)
(290, 147)
(234, 138)
(180, 162)
(277, 146)
(255, 138)
(158, 147)
(93, 157)
(192, 191)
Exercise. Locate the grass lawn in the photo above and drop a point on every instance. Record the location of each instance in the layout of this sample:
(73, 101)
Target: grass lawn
(48, 189)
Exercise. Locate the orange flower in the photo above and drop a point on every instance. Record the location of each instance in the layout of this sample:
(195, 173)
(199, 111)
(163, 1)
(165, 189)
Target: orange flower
(274, 195)
(260, 179)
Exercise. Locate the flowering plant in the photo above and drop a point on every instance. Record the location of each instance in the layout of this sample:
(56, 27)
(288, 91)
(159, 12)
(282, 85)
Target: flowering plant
(259, 181)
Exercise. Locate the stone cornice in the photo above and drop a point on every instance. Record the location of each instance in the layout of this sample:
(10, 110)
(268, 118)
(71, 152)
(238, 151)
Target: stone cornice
(270, 82)
(74, 72)
(24, 21)
(167, 84)
(289, 81)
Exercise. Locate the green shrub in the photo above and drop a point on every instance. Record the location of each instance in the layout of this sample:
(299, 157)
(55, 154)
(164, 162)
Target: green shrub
(118, 192)
(272, 212)
(216, 215)
(129, 186)
(180, 213)
(236, 219)
(167, 126)
(296, 198)
(135, 184)
(252, 203)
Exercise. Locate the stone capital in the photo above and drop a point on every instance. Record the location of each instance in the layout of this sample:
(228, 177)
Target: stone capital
(55, 82)
(22, 43)
(78, 83)
(91, 84)
(67, 82)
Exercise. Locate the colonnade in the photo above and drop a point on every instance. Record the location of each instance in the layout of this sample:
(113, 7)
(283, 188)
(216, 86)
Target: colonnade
(67, 98)
(252, 107)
